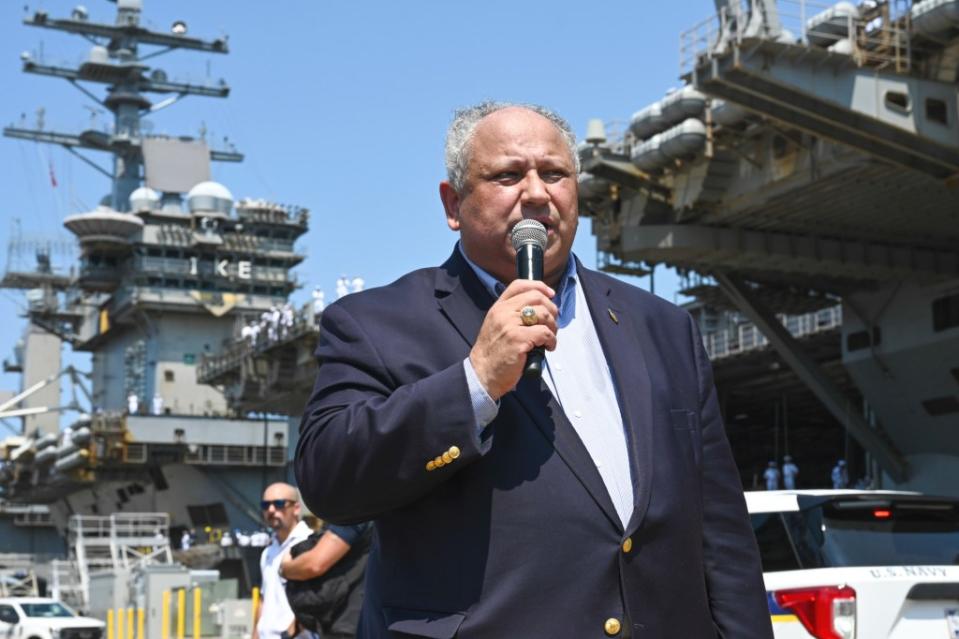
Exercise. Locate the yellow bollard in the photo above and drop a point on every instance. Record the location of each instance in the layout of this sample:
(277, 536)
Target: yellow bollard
(129, 623)
(197, 607)
(180, 614)
(141, 622)
(109, 624)
(165, 618)
(256, 604)
(121, 622)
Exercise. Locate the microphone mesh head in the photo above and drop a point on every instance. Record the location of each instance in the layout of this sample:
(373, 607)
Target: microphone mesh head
(528, 232)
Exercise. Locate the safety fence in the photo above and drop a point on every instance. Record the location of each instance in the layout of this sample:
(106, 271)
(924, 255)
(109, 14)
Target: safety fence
(746, 336)
(875, 34)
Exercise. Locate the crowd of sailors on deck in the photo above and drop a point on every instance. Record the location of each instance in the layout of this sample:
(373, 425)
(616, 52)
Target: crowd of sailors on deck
(277, 323)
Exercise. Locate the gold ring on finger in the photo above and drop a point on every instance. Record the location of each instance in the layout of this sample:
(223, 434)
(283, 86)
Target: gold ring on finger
(528, 315)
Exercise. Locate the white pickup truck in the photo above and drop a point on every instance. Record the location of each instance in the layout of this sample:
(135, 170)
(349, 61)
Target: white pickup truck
(44, 618)
(841, 564)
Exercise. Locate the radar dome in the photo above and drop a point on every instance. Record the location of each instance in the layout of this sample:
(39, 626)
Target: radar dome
(209, 197)
(99, 55)
(130, 5)
(144, 199)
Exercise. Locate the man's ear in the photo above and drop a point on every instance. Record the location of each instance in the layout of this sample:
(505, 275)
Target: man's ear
(451, 204)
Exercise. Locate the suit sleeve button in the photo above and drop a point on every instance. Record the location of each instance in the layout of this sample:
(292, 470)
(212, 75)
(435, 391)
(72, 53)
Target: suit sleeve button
(439, 462)
(628, 545)
(430, 465)
(612, 626)
(454, 452)
(447, 458)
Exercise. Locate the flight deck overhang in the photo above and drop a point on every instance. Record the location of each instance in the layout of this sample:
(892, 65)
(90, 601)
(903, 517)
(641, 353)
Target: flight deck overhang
(706, 249)
(827, 94)
(623, 172)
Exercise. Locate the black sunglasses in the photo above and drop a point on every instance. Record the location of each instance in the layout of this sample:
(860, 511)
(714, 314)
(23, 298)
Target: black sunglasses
(279, 504)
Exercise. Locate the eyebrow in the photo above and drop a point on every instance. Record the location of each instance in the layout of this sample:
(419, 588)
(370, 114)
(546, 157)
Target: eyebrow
(503, 160)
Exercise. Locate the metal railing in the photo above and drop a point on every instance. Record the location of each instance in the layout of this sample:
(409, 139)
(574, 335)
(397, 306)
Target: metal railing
(114, 542)
(879, 37)
(226, 455)
(271, 212)
(212, 366)
(278, 246)
(140, 539)
(747, 337)
(66, 585)
(699, 41)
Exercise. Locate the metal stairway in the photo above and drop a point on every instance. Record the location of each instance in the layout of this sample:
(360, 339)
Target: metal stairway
(122, 541)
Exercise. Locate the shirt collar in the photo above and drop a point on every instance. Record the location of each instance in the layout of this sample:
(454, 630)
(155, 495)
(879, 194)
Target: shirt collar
(296, 534)
(565, 298)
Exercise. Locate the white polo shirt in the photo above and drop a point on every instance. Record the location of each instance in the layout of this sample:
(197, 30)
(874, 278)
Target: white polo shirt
(276, 615)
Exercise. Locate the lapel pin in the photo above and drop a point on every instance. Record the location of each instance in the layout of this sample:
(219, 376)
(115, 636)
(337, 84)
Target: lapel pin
(612, 316)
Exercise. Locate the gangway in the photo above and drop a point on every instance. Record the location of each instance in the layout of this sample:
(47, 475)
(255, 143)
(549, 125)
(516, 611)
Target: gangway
(118, 542)
(65, 583)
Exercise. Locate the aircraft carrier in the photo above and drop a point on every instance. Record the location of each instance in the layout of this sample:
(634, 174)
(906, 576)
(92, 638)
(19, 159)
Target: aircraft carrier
(170, 266)
(802, 180)
(808, 168)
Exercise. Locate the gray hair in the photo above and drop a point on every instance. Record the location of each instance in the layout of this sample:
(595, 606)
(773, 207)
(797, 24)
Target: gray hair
(461, 129)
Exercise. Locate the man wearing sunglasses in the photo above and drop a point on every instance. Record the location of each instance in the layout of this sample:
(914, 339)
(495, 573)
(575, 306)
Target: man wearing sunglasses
(281, 512)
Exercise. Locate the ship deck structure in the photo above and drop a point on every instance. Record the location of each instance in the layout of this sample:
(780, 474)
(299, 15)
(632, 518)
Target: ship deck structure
(169, 267)
(810, 162)
(804, 180)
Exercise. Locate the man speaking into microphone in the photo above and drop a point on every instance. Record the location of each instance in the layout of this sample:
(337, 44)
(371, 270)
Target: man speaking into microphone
(592, 496)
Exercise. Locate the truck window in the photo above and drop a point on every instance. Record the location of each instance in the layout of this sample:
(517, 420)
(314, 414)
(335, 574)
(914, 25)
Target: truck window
(775, 548)
(886, 532)
(46, 609)
(8, 614)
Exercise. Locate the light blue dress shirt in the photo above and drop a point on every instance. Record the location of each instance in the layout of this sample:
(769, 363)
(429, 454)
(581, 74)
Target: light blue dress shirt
(579, 378)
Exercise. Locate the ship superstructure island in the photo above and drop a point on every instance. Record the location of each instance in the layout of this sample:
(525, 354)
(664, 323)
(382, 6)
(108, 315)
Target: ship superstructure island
(808, 168)
(170, 268)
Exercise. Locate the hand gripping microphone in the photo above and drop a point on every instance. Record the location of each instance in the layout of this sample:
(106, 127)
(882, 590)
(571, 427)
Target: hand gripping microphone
(529, 240)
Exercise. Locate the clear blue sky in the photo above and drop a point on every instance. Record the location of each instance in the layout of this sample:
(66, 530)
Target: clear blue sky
(340, 107)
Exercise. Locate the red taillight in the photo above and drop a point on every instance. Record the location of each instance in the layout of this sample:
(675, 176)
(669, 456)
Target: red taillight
(882, 513)
(827, 612)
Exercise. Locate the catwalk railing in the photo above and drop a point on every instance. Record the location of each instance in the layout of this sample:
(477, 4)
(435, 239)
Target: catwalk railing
(115, 542)
(745, 337)
(266, 337)
(875, 36)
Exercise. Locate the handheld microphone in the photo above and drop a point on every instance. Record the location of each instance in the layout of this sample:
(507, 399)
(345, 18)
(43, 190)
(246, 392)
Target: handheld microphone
(529, 239)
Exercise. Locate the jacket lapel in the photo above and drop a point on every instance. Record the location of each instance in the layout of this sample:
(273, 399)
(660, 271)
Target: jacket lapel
(464, 300)
(624, 345)
(461, 297)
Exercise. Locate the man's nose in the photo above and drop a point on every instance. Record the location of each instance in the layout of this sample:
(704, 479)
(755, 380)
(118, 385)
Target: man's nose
(534, 190)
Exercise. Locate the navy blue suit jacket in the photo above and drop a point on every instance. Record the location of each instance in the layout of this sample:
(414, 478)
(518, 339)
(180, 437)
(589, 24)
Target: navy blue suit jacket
(518, 537)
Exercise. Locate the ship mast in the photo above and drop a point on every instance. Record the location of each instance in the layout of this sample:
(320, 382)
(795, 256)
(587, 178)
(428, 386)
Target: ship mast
(170, 268)
(116, 61)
